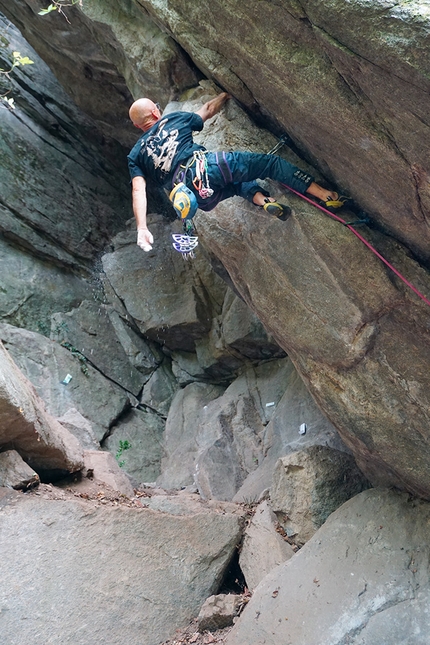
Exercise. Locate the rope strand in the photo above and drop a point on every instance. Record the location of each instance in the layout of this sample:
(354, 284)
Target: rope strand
(360, 237)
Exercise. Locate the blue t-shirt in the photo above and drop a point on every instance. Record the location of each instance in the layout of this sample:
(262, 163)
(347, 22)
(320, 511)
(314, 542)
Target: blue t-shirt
(163, 147)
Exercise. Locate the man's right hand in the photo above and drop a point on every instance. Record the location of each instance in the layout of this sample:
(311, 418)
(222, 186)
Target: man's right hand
(212, 107)
(144, 239)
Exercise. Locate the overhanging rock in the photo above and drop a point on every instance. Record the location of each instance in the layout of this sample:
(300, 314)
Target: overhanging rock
(28, 428)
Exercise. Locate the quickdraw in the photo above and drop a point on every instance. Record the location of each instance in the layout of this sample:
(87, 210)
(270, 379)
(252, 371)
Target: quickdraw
(186, 242)
(201, 179)
(185, 203)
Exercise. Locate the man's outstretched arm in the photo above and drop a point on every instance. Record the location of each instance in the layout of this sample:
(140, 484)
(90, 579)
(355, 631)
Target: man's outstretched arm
(144, 237)
(213, 106)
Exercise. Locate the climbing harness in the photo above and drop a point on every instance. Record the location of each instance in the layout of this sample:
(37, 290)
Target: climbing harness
(350, 225)
(186, 242)
(185, 202)
(200, 181)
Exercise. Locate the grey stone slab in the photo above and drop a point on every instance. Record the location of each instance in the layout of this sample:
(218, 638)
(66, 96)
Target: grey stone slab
(63, 380)
(26, 427)
(363, 578)
(105, 574)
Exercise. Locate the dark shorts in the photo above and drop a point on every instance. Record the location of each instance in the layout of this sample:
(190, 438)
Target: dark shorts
(234, 173)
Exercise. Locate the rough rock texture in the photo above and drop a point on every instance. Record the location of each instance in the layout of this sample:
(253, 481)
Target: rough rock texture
(263, 548)
(102, 467)
(48, 366)
(106, 53)
(159, 390)
(150, 293)
(242, 330)
(26, 427)
(228, 442)
(354, 101)
(309, 485)
(31, 289)
(363, 579)
(78, 425)
(123, 31)
(218, 612)
(15, 473)
(106, 574)
(178, 465)
(143, 430)
(232, 428)
(363, 352)
(91, 331)
(283, 432)
(349, 82)
(52, 153)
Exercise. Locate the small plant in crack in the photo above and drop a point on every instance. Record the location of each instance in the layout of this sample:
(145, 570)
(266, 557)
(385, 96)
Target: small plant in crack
(123, 446)
(81, 358)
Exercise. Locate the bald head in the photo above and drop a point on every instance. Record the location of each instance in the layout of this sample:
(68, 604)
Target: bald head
(144, 113)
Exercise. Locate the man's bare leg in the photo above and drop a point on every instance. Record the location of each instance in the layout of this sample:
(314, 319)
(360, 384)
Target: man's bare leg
(259, 199)
(321, 193)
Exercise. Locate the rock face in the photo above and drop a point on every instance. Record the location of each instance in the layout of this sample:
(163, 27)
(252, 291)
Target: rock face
(91, 329)
(105, 574)
(309, 485)
(102, 467)
(49, 146)
(150, 298)
(362, 352)
(192, 374)
(65, 380)
(227, 442)
(343, 336)
(26, 426)
(363, 579)
(263, 548)
(218, 612)
(15, 473)
(143, 430)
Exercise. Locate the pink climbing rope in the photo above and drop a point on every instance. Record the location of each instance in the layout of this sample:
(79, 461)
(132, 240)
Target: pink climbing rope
(360, 237)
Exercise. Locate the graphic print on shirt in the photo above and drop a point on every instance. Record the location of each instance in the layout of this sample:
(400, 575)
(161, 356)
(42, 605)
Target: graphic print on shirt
(161, 147)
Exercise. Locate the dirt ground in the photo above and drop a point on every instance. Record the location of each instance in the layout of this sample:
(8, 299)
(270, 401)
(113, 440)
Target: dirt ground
(191, 634)
(99, 493)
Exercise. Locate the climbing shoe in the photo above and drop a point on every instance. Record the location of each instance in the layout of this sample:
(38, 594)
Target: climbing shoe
(281, 211)
(333, 204)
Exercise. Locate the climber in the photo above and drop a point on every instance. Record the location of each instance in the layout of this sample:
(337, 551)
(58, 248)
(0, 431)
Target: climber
(167, 154)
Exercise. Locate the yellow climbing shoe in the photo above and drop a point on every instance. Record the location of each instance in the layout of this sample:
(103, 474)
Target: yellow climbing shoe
(336, 202)
(281, 211)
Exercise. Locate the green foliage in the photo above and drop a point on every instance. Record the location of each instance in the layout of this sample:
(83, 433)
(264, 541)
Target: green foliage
(51, 7)
(58, 5)
(17, 61)
(123, 446)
